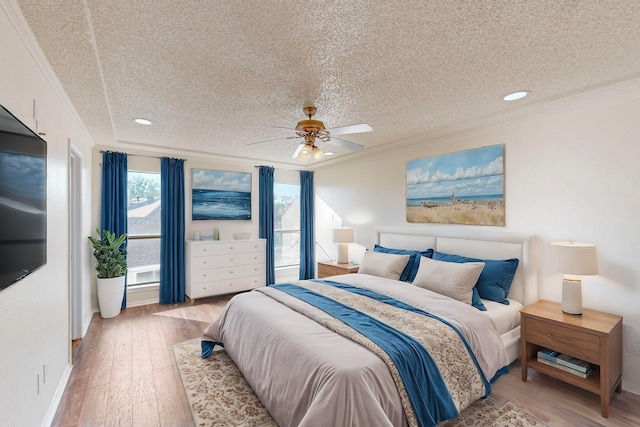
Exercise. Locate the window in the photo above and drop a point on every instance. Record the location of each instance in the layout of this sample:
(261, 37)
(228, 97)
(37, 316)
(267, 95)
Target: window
(143, 216)
(286, 209)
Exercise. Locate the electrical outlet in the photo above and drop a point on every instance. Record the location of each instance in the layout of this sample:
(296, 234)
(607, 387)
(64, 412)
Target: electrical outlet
(634, 346)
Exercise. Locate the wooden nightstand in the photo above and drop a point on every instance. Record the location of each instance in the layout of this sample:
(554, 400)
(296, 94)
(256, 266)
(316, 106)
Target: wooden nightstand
(594, 337)
(326, 269)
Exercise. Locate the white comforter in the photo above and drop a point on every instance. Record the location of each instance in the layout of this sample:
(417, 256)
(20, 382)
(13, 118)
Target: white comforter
(307, 375)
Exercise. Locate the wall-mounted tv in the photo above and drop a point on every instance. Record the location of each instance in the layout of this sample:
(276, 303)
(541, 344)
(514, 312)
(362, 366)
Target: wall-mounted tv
(23, 200)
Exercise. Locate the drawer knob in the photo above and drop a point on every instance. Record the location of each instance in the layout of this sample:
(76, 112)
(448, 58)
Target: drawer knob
(204, 275)
(231, 272)
(231, 248)
(230, 259)
(205, 262)
(204, 250)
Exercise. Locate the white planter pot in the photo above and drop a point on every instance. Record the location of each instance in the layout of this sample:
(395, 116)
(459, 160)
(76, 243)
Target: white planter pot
(110, 294)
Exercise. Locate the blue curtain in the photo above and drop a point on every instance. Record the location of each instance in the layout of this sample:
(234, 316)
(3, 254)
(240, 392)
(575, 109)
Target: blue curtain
(113, 212)
(172, 231)
(307, 247)
(265, 222)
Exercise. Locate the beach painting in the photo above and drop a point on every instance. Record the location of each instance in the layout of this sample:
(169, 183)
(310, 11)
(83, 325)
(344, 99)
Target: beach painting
(220, 195)
(466, 187)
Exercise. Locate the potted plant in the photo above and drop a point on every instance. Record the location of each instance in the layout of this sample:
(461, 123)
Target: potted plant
(111, 267)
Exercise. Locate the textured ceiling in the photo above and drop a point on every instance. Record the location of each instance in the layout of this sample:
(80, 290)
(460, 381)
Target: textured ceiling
(216, 75)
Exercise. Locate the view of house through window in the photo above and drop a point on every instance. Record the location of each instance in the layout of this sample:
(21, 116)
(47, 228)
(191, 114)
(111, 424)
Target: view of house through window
(143, 250)
(286, 213)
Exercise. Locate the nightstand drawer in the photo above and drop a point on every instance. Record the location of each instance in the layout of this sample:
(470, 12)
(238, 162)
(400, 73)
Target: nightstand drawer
(557, 337)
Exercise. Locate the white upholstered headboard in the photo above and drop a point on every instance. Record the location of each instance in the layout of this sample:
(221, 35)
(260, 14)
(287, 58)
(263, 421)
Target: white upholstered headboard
(485, 244)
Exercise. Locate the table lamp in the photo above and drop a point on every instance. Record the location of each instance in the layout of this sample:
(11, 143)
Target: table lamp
(574, 260)
(343, 236)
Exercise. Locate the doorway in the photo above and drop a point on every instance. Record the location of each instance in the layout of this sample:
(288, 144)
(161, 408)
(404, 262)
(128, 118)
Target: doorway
(75, 243)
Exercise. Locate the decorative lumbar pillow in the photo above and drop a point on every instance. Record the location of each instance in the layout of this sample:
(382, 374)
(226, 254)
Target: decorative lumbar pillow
(410, 270)
(454, 280)
(381, 264)
(495, 280)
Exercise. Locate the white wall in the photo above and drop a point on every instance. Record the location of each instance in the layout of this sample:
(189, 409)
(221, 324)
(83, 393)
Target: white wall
(34, 313)
(570, 175)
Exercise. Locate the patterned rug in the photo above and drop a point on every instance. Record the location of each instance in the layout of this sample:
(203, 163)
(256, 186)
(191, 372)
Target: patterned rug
(220, 396)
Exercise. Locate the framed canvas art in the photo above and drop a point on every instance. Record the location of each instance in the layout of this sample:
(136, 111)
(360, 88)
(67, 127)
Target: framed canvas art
(466, 187)
(217, 195)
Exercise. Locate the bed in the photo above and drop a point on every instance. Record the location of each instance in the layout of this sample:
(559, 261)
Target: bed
(311, 367)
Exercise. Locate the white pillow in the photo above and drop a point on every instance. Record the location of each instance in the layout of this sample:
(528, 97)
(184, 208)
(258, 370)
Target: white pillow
(382, 264)
(453, 279)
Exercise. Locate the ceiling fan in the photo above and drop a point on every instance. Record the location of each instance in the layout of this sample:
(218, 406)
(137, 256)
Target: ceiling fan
(310, 130)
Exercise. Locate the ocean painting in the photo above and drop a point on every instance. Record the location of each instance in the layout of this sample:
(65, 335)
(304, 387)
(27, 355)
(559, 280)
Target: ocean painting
(220, 195)
(458, 188)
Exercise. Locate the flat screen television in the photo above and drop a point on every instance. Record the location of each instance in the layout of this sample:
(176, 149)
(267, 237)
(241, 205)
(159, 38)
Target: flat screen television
(23, 200)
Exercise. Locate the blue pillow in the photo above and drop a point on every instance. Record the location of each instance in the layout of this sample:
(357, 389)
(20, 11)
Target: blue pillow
(496, 277)
(476, 301)
(410, 270)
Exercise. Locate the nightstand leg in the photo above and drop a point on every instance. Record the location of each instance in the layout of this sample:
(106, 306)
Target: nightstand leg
(604, 404)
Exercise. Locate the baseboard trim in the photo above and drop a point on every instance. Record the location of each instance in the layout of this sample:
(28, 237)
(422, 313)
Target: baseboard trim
(87, 323)
(57, 397)
(143, 302)
(631, 388)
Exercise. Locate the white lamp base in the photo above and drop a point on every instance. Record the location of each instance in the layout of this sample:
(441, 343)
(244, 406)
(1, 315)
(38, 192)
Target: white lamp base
(572, 296)
(343, 253)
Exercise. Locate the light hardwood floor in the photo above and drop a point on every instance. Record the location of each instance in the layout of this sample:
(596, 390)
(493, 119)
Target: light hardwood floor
(125, 375)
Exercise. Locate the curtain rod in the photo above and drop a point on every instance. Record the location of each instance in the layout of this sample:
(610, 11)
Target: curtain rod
(142, 155)
(294, 170)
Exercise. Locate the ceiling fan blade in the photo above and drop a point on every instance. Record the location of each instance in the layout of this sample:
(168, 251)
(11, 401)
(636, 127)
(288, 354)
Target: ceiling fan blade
(300, 147)
(343, 130)
(271, 140)
(345, 144)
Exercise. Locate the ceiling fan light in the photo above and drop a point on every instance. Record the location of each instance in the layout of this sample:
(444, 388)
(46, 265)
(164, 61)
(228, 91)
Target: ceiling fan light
(318, 154)
(305, 155)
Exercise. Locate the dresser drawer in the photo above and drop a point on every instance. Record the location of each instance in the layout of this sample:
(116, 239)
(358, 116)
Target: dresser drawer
(200, 276)
(225, 286)
(556, 337)
(227, 260)
(231, 247)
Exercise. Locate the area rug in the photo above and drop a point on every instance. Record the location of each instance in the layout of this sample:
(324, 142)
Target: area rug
(219, 396)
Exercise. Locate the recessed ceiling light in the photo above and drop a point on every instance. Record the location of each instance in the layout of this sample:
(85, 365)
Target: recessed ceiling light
(514, 96)
(143, 121)
(329, 153)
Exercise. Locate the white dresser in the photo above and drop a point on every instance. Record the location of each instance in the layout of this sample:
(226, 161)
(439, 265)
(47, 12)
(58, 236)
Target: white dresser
(224, 266)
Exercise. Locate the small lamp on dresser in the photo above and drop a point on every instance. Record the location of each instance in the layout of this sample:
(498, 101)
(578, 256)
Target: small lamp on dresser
(343, 236)
(574, 259)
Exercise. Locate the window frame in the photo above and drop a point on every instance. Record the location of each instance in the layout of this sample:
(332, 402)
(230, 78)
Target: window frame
(144, 166)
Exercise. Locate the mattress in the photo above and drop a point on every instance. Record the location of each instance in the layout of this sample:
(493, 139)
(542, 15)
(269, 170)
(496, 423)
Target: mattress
(504, 317)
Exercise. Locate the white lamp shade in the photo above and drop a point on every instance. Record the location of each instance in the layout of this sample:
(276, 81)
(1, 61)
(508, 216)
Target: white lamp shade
(343, 235)
(576, 258)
